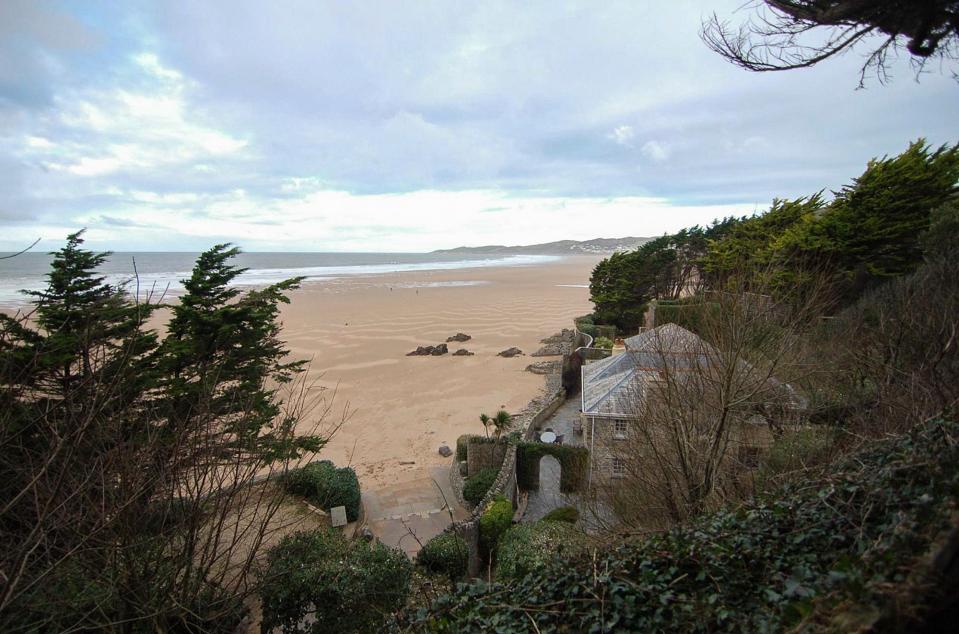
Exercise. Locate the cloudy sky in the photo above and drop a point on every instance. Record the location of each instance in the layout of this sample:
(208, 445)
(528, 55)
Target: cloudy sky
(409, 126)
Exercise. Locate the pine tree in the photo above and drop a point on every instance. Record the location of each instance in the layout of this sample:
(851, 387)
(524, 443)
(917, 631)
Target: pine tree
(224, 360)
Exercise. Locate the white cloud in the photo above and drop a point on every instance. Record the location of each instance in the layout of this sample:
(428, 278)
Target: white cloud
(655, 151)
(317, 218)
(623, 135)
(109, 130)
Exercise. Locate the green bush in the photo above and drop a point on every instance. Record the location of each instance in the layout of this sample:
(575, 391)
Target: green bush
(446, 554)
(326, 486)
(461, 444)
(350, 586)
(796, 451)
(603, 342)
(528, 547)
(495, 521)
(847, 545)
(476, 486)
(573, 460)
(566, 514)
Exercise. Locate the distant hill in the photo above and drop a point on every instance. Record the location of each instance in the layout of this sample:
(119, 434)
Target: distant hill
(562, 247)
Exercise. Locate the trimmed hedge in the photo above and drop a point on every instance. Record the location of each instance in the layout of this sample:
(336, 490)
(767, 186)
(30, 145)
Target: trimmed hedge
(566, 514)
(447, 554)
(349, 586)
(603, 342)
(528, 547)
(495, 521)
(326, 486)
(476, 486)
(846, 551)
(573, 460)
(687, 313)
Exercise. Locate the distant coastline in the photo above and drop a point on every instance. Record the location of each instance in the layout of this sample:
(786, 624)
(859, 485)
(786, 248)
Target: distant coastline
(596, 246)
(165, 270)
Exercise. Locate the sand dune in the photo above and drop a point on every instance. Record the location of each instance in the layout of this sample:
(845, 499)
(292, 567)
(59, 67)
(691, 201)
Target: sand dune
(358, 331)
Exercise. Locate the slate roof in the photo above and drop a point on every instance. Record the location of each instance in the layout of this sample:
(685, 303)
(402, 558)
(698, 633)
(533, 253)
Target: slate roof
(611, 384)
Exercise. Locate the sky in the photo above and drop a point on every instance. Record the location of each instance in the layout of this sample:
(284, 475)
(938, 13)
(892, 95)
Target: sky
(411, 126)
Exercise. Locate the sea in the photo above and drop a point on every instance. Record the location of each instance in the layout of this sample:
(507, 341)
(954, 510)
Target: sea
(163, 272)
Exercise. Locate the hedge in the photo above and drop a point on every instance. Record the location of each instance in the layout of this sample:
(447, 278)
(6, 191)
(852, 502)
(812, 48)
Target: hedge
(494, 522)
(845, 551)
(349, 586)
(688, 314)
(573, 460)
(447, 554)
(566, 514)
(528, 547)
(326, 486)
(461, 444)
(476, 486)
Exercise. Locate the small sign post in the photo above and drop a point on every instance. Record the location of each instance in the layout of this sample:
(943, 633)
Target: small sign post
(338, 516)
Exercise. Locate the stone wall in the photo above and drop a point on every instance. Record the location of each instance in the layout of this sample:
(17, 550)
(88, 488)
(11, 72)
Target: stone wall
(481, 454)
(538, 410)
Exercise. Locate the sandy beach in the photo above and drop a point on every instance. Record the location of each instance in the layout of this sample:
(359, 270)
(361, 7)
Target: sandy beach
(358, 331)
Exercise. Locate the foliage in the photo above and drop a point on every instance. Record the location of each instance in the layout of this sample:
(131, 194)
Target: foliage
(585, 325)
(223, 350)
(461, 444)
(603, 342)
(526, 548)
(665, 268)
(445, 554)
(871, 230)
(691, 313)
(939, 241)
(476, 486)
(794, 452)
(567, 514)
(111, 444)
(326, 486)
(820, 549)
(573, 460)
(494, 522)
(350, 586)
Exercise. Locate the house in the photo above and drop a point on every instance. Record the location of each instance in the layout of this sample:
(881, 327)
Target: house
(615, 389)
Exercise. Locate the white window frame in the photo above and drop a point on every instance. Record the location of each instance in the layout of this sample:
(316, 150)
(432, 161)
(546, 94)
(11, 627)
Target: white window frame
(617, 433)
(619, 467)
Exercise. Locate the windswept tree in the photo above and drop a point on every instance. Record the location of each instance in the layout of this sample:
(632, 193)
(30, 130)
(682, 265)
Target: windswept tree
(790, 34)
(128, 466)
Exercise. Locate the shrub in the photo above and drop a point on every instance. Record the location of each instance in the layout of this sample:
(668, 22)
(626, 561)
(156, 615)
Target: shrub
(528, 547)
(566, 514)
(573, 460)
(603, 342)
(350, 586)
(476, 486)
(796, 452)
(848, 545)
(326, 486)
(446, 554)
(496, 520)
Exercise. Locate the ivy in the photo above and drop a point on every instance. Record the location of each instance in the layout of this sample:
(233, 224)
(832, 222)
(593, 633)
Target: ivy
(573, 460)
(816, 553)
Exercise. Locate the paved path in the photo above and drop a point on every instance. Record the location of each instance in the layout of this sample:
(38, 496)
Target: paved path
(563, 419)
(416, 506)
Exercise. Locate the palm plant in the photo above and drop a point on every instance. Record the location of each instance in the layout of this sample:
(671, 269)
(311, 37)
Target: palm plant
(501, 422)
(486, 422)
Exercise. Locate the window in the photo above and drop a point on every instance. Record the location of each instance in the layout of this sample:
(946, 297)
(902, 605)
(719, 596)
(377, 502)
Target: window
(620, 427)
(749, 457)
(619, 467)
